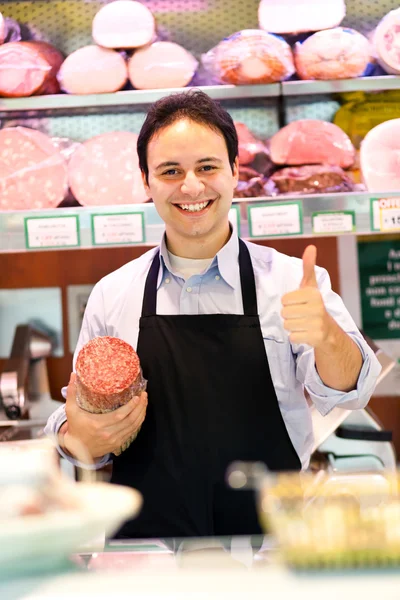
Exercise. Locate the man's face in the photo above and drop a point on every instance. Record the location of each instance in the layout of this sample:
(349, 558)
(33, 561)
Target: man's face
(190, 180)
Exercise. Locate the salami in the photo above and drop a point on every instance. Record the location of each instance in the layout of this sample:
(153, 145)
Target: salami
(93, 70)
(123, 24)
(33, 173)
(108, 375)
(29, 68)
(105, 170)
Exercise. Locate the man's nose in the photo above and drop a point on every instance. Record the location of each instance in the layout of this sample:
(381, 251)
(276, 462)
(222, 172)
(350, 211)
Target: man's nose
(192, 185)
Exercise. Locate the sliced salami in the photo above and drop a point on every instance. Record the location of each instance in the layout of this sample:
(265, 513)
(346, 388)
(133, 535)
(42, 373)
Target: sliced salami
(123, 24)
(33, 173)
(29, 68)
(105, 170)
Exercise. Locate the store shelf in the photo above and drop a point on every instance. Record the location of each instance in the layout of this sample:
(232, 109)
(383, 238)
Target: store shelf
(361, 84)
(12, 224)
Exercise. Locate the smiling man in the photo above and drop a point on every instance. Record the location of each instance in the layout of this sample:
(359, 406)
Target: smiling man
(229, 335)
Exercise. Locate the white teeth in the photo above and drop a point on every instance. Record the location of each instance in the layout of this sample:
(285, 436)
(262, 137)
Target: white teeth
(194, 207)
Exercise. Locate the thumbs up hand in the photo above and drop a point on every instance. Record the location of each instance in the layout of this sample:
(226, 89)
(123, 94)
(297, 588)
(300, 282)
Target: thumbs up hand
(304, 314)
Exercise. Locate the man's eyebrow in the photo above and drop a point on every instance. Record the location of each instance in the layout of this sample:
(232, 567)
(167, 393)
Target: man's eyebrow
(170, 163)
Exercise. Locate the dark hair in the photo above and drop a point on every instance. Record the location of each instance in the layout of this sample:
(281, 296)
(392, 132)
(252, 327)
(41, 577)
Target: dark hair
(194, 105)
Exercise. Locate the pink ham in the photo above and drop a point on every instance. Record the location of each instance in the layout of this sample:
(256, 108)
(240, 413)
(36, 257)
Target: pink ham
(93, 70)
(123, 24)
(33, 173)
(105, 170)
(3, 29)
(161, 65)
(387, 42)
(380, 157)
(295, 16)
(29, 68)
(310, 141)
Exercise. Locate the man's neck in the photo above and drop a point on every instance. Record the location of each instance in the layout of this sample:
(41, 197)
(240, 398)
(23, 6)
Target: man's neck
(197, 247)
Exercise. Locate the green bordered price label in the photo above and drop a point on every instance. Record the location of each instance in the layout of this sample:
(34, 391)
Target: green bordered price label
(52, 232)
(118, 228)
(234, 218)
(275, 219)
(334, 222)
(385, 214)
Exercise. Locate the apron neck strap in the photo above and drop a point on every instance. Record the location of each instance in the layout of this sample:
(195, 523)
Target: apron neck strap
(247, 282)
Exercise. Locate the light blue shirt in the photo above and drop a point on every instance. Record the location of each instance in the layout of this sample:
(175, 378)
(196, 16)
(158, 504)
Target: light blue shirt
(115, 305)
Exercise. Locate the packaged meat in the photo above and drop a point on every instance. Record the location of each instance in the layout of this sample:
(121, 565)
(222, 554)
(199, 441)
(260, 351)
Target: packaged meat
(296, 16)
(33, 173)
(29, 68)
(123, 24)
(251, 56)
(161, 65)
(250, 184)
(310, 141)
(387, 42)
(108, 375)
(105, 170)
(93, 70)
(380, 157)
(311, 179)
(333, 54)
(249, 145)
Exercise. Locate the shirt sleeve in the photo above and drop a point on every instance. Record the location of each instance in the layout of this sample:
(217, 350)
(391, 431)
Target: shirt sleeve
(92, 326)
(324, 397)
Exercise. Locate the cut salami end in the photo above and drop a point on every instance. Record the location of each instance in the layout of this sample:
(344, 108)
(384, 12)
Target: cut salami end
(93, 70)
(161, 65)
(379, 157)
(33, 173)
(105, 170)
(29, 68)
(310, 141)
(123, 24)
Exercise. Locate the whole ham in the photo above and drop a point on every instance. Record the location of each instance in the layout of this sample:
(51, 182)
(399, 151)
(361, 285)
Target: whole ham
(333, 54)
(123, 24)
(161, 65)
(29, 68)
(310, 141)
(380, 157)
(108, 375)
(296, 16)
(33, 173)
(387, 42)
(105, 170)
(251, 56)
(311, 179)
(93, 70)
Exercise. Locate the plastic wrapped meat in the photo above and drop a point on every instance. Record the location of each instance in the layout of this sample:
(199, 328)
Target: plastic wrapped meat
(380, 157)
(123, 24)
(251, 56)
(250, 184)
(33, 173)
(310, 179)
(296, 16)
(29, 68)
(93, 70)
(387, 42)
(253, 151)
(334, 54)
(105, 170)
(310, 141)
(161, 65)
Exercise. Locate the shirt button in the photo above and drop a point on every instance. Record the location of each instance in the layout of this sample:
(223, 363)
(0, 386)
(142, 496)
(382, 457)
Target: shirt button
(189, 289)
(217, 277)
(167, 280)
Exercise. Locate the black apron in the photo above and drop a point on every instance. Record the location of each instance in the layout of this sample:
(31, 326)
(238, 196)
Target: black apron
(211, 402)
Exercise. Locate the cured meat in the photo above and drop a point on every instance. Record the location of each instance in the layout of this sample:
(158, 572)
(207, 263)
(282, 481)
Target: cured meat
(161, 65)
(310, 141)
(311, 179)
(105, 170)
(296, 16)
(93, 70)
(108, 375)
(29, 68)
(249, 145)
(250, 56)
(387, 42)
(123, 24)
(250, 184)
(3, 30)
(334, 54)
(33, 173)
(380, 157)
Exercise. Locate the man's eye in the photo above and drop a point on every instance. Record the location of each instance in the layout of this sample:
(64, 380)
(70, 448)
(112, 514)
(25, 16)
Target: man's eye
(208, 167)
(170, 172)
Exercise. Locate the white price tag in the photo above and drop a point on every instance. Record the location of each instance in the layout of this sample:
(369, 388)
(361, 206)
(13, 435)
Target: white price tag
(334, 222)
(275, 219)
(234, 218)
(52, 232)
(390, 219)
(385, 214)
(120, 228)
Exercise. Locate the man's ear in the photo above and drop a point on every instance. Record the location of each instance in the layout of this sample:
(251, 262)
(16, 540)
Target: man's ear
(236, 171)
(145, 184)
